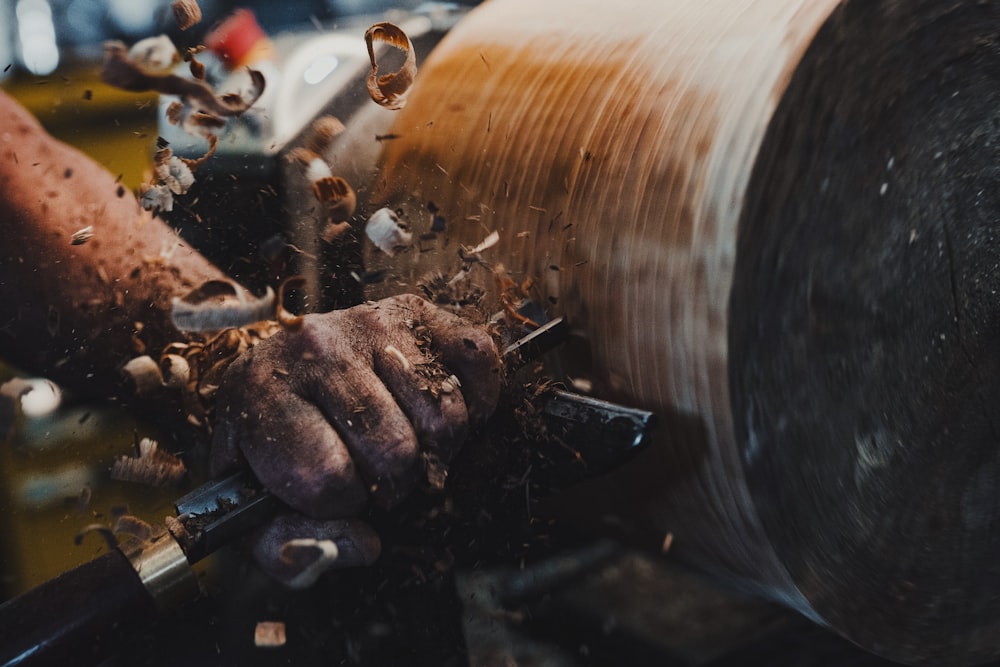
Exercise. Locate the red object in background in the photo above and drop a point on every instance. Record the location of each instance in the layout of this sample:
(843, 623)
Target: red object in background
(236, 39)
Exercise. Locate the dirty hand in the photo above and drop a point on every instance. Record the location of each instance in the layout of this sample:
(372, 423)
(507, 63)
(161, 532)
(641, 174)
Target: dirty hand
(345, 411)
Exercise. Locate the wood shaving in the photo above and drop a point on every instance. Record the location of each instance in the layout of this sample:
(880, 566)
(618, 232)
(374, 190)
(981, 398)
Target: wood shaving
(144, 374)
(152, 466)
(172, 171)
(174, 176)
(133, 526)
(154, 56)
(176, 528)
(202, 310)
(324, 130)
(81, 236)
(288, 320)
(208, 360)
(390, 90)
(333, 230)
(387, 232)
(269, 634)
(511, 296)
(311, 557)
(197, 96)
(156, 198)
(393, 351)
(335, 194)
(472, 254)
(102, 530)
(186, 12)
(176, 370)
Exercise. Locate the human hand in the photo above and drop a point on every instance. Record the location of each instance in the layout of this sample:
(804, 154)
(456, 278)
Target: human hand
(342, 412)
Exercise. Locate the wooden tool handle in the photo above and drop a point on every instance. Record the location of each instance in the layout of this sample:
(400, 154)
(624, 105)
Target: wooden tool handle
(76, 618)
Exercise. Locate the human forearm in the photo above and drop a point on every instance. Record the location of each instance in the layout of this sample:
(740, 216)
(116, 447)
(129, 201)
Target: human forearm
(78, 312)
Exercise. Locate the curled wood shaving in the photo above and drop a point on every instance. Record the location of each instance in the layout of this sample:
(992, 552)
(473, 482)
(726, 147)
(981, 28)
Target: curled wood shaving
(81, 236)
(186, 12)
(311, 557)
(333, 230)
(177, 528)
(394, 351)
(324, 130)
(104, 531)
(389, 90)
(336, 194)
(128, 524)
(194, 122)
(176, 370)
(144, 373)
(218, 305)
(154, 56)
(152, 467)
(288, 321)
(196, 367)
(156, 197)
(387, 232)
(174, 176)
(118, 71)
(172, 171)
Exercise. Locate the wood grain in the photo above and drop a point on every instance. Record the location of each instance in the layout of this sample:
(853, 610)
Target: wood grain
(698, 186)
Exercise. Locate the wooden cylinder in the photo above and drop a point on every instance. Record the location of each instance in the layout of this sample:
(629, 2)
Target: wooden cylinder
(776, 221)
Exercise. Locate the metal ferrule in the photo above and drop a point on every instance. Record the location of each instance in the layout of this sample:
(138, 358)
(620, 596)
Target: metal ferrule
(164, 570)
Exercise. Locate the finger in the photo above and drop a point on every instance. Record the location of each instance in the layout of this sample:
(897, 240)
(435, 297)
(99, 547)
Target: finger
(296, 550)
(225, 455)
(468, 352)
(378, 435)
(300, 458)
(427, 394)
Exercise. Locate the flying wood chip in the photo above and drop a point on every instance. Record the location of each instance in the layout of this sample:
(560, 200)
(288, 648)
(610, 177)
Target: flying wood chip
(389, 90)
(219, 304)
(186, 12)
(120, 72)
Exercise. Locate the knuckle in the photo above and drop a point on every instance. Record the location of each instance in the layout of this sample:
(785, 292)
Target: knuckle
(396, 459)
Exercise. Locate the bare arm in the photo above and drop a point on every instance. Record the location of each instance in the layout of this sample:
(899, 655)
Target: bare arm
(71, 311)
(289, 407)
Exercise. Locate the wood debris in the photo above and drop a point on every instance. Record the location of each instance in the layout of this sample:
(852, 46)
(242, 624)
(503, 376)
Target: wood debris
(324, 130)
(81, 236)
(288, 320)
(393, 351)
(269, 634)
(127, 524)
(221, 304)
(195, 368)
(187, 13)
(388, 232)
(390, 90)
(144, 374)
(154, 56)
(119, 71)
(152, 466)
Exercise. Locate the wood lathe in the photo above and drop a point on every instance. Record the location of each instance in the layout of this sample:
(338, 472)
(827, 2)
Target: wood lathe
(775, 221)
